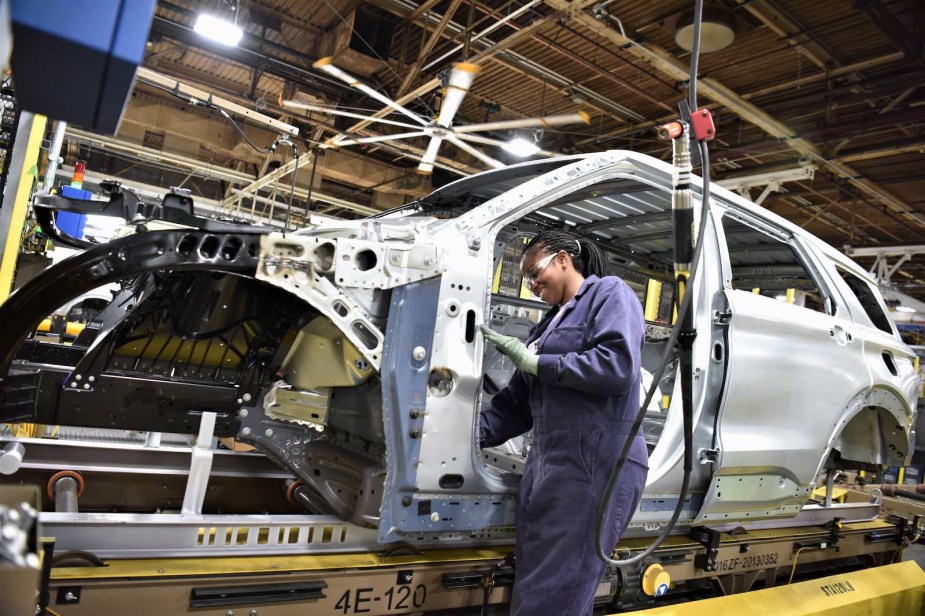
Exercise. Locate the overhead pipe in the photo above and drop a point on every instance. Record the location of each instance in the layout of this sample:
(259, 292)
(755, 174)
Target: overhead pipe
(665, 62)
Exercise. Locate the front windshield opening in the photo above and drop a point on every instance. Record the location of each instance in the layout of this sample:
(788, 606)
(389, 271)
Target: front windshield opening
(459, 197)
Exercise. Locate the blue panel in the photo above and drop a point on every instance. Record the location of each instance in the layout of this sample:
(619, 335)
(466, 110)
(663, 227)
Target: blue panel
(404, 390)
(89, 23)
(75, 60)
(132, 33)
(71, 223)
(76, 193)
(405, 512)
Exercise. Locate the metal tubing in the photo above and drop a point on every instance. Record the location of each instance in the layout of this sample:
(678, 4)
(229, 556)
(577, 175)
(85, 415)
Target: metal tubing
(54, 156)
(66, 495)
(11, 458)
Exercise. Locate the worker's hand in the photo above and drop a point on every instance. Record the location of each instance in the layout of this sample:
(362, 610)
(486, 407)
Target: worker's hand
(525, 359)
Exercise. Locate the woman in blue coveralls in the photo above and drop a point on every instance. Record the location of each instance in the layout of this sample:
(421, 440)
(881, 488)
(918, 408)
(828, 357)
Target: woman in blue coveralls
(577, 386)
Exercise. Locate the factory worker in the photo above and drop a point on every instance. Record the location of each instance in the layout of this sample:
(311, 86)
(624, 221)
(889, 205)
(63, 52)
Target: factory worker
(577, 386)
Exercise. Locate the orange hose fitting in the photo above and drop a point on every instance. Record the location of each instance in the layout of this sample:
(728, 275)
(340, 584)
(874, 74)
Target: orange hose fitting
(671, 130)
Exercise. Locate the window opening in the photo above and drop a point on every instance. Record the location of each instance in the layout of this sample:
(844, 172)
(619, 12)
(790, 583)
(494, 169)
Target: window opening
(769, 266)
(868, 300)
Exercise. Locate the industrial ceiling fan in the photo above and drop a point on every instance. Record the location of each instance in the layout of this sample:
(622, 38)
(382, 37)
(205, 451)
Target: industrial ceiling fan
(440, 129)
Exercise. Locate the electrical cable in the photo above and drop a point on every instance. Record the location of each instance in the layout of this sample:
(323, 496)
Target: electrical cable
(795, 557)
(208, 104)
(240, 130)
(682, 318)
(283, 140)
(295, 172)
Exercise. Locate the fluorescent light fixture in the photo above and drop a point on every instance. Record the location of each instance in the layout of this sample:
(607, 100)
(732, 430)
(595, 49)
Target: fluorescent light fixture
(518, 146)
(905, 309)
(218, 30)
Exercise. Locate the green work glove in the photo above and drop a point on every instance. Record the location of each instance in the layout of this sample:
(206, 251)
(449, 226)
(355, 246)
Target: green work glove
(525, 359)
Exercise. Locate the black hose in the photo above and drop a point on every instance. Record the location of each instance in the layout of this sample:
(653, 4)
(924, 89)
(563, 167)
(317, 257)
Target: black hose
(695, 55)
(684, 322)
(295, 172)
(683, 312)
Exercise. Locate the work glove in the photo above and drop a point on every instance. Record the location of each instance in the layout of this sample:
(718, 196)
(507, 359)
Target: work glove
(525, 359)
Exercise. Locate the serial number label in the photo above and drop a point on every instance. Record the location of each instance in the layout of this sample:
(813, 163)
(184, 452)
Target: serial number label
(397, 598)
(838, 588)
(747, 562)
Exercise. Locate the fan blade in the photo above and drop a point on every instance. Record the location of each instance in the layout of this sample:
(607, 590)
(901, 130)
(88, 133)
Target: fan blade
(552, 120)
(426, 165)
(327, 65)
(500, 144)
(337, 112)
(357, 140)
(461, 78)
(485, 158)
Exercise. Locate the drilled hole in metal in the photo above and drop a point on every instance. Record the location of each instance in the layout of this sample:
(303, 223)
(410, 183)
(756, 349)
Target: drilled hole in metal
(209, 247)
(187, 245)
(231, 248)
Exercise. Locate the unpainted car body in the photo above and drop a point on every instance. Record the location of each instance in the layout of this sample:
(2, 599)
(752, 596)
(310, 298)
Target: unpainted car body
(369, 375)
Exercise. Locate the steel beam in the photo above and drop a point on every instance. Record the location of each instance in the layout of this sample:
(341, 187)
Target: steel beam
(894, 29)
(201, 169)
(781, 24)
(273, 177)
(885, 251)
(485, 54)
(148, 76)
(135, 458)
(429, 45)
(665, 62)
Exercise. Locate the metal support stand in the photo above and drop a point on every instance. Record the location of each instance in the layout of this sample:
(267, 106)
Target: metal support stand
(200, 467)
(54, 157)
(829, 485)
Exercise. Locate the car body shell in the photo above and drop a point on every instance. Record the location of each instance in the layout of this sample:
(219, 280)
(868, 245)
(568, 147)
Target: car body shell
(780, 391)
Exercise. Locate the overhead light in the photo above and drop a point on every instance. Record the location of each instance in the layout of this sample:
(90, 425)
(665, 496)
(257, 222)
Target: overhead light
(218, 29)
(521, 147)
(717, 29)
(905, 309)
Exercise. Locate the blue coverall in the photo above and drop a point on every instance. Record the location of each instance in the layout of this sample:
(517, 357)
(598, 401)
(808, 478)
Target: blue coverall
(581, 408)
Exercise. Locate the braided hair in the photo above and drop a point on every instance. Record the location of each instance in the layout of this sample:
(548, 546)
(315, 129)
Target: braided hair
(586, 256)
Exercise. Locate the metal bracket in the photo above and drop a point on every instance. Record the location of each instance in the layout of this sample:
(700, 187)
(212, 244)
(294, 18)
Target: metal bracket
(345, 480)
(709, 539)
(708, 456)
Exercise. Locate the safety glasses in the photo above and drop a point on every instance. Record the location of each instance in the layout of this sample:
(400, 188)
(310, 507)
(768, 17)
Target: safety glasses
(531, 274)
